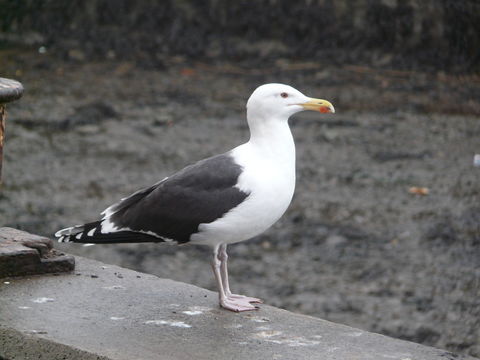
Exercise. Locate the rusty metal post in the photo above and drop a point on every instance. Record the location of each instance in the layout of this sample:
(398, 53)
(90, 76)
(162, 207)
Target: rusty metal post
(22, 253)
(10, 90)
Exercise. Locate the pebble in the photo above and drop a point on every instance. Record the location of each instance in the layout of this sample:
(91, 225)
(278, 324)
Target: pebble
(476, 160)
(334, 240)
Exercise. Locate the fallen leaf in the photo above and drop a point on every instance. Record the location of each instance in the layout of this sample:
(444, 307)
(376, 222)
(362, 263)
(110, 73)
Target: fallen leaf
(187, 71)
(418, 190)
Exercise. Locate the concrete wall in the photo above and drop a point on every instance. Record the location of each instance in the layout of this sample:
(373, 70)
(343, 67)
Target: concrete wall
(101, 311)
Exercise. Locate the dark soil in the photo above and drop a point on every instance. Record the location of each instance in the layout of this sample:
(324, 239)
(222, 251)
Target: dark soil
(409, 34)
(355, 246)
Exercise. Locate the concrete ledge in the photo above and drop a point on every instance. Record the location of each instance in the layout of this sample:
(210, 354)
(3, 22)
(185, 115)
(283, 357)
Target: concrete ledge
(23, 346)
(107, 312)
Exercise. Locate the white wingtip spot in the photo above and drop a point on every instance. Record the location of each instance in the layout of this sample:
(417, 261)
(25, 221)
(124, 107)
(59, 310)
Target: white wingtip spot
(90, 233)
(108, 226)
(65, 231)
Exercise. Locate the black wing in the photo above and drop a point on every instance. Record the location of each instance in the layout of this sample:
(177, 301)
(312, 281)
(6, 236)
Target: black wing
(174, 207)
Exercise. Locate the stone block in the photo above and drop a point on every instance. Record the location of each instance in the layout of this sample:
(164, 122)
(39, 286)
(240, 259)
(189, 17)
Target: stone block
(22, 253)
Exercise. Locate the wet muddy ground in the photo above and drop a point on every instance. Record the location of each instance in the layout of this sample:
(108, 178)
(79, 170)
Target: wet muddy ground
(355, 246)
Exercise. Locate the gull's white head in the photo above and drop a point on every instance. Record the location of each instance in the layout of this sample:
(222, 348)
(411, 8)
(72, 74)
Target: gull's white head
(280, 101)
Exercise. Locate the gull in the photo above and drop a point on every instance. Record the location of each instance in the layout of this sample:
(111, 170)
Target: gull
(218, 201)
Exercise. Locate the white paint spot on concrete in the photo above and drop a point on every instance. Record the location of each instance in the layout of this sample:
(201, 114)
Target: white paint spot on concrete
(262, 328)
(274, 341)
(333, 349)
(24, 307)
(268, 333)
(233, 326)
(242, 343)
(87, 245)
(196, 310)
(300, 341)
(115, 318)
(260, 319)
(6, 282)
(317, 336)
(355, 334)
(180, 324)
(192, 312)
(277, 337)
(42, 300)
(114, 287)
(155, 322)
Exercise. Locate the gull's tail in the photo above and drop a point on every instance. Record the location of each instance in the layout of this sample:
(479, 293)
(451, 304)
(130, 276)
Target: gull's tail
(93, 233)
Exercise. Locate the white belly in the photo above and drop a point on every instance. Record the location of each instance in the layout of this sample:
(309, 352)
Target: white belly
(271, 185)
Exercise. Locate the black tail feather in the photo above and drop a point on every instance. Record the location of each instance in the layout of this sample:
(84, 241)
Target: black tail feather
(118, 237)
(91, 233)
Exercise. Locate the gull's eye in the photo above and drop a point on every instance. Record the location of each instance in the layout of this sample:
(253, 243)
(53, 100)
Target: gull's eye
(284, 95)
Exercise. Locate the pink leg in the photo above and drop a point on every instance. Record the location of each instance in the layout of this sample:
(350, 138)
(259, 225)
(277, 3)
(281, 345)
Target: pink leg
(226, 301)
(223, 257)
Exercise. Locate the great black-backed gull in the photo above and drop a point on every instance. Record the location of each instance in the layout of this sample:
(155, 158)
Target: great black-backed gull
(218, 201)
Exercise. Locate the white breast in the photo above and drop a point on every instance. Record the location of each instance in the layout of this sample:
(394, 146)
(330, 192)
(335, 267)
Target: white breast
(269, 177)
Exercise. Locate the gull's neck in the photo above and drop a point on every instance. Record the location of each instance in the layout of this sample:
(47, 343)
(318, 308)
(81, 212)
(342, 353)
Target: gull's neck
(272, 137)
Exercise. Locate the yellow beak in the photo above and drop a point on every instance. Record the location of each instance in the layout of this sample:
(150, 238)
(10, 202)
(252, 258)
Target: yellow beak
(320, 105)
